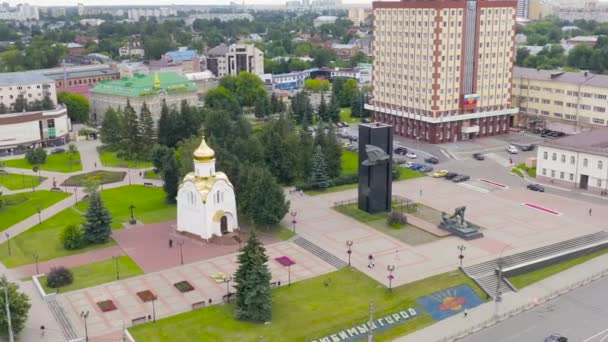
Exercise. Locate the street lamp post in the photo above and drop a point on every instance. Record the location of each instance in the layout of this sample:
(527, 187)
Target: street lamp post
(227, 281)
(153, 309)
(390, 269)
(293, 219)
(84, 315)
(36, 257)
(129, 172)
(8, 242)
(76, 195)
(461, 248)
(116, 257)
(132, 220)
(498, 296)
(349, 244)
(39, 216)
(181, 251)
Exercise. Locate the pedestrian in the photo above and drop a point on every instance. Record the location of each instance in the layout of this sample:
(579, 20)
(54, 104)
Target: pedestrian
(371, 261)
(510, 160)
(95, 164)
(139, 173)
(589, 211)
(420, 192)
(301, 193)
(466, 313)
(170, 243)
(42, 331)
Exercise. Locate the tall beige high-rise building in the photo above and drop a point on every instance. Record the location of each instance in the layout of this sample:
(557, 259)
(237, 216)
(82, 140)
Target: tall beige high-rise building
(442, 69)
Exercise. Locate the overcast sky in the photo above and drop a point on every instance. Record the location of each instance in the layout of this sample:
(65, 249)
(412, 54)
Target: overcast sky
(150, 2)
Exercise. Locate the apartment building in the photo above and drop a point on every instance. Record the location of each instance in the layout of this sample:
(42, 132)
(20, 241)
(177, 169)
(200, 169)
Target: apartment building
(546, 96)
(577, 161)
(442, 69)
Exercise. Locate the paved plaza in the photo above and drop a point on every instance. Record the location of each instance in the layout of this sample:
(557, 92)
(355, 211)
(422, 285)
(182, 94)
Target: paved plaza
(103, 326)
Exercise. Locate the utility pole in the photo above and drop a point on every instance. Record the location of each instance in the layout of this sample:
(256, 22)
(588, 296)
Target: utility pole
(11, 338)
(370, 335)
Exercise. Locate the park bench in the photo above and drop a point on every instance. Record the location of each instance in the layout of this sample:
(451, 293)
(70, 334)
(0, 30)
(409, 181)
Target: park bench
(199, 305)
(138, 320)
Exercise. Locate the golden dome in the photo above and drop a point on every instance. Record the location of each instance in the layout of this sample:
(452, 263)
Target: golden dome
(203, 153)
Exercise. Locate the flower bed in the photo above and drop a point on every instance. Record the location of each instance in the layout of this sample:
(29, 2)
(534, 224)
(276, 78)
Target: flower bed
(183, 286)
(285, 261)
(146, 296)
(106, 305)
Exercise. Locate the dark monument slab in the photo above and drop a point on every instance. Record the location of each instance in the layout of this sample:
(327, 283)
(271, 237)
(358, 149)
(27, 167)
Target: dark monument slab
(375, 166)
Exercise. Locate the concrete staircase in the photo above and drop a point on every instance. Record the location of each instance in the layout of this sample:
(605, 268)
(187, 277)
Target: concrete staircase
(485, 273)
(66, 325)
(320, 252)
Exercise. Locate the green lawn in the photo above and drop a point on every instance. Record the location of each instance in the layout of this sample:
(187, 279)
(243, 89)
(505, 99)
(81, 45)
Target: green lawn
(345, 116)
(98, 273)
(151, 175)
(279, 232)
(307, 310)
(13, 181)
(103, 177)
(406, 233)
(531, 171)
(517, 172)
(44, 239)
(20, 206)
(405, 173)
(336, 188)
(110, 159)
(54, 162)
(529, 278)
(350, 162)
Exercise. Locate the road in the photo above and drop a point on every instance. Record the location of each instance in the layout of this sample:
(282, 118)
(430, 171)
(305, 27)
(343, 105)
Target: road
(581, 316)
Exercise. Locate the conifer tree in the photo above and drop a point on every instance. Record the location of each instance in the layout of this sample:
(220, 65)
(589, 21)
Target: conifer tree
(253, 295)
(333, 112)
(318, 176)
(323, 111)
(147, 129)
(132, 136)
(170, 174)
(165, 126)
(97, 228)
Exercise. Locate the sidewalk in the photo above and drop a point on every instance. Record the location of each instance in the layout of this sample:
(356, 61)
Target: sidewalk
(512, 303)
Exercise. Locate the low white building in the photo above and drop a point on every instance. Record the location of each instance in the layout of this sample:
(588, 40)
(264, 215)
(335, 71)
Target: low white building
(132, 49)
(47, 127)
(323, 20)
(206, 204)
(576, 161)
(31, 85)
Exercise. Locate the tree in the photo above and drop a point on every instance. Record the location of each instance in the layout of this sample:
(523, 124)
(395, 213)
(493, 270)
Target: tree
(357, 109)
(47, 103)
(111, 128)
(249, 87)
(20, 104)
(347, 92)
(170, 174)
(3, 108)
(98, 225)
(522, 54)
(58, 277)
(147, 129)
(132, 137)
(333, 112)
(72, 237)
(318, 177)
(36, 156)
(323, 111)
(302, 108)
(252, 278)
(260, 110)
(78, 105)
(262, 198)
(223, 99)
(276, 155)
(72, 152)
(19, 305)
(165, 126)
(332, 151)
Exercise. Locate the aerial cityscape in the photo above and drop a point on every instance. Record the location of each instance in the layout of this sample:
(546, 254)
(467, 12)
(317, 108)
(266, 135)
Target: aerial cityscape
(304, 170)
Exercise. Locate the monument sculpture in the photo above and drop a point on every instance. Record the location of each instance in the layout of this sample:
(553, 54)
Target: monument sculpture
(375, 167)
(457, 225)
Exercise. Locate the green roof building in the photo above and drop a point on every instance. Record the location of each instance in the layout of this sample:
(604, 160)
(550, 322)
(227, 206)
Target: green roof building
(149, 88)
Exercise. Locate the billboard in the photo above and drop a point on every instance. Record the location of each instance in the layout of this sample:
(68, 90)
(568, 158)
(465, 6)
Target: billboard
(470, 100)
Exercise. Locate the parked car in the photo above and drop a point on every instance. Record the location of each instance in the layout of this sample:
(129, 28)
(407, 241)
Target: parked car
(416, 166)
(451, 175)
(528, 147)
(440, 174)
(478, 156)
(57, 150)
(411, 155)
(399, 161)
(556, 338)
(344, 124)
(461, 178)
(365, 120)
(536, 187)
(400, 150)
(432, 160)
(512, 149)
(425, 168)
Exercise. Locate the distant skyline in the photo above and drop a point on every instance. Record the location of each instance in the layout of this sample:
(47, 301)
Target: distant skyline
(153, 2)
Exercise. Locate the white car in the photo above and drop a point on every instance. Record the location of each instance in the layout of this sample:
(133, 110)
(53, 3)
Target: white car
(512, 149)
(411, 155)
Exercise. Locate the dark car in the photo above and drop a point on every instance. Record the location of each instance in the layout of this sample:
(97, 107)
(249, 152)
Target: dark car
(416, 166)
(478, 156)
(556, 338)
(400, 150)
(536, 187)
(425, 168)
(461, 178)
(57, 150)
(344, 124)
(365, 120)
(451, 175)
(528, 147)
(432, 160)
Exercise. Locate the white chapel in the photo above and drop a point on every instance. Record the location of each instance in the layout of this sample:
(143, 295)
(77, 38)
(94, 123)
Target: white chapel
(206, 204)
